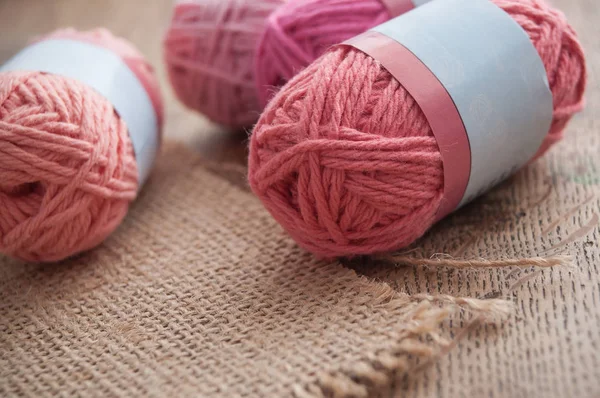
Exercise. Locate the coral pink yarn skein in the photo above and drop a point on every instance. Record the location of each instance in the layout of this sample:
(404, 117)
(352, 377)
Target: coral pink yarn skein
(345, 159)
(298, 32)
(209, 51)
(67, 168)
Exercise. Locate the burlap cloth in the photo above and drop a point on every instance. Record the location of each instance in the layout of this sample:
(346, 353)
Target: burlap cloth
(200, 293)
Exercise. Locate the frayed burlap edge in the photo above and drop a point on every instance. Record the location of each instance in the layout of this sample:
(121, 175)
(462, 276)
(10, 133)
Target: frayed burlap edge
(416, 344)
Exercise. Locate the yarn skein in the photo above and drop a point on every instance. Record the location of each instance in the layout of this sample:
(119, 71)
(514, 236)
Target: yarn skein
(228, 69)
(345, 160)
(209, 52)
(298, 32)
(67, 167)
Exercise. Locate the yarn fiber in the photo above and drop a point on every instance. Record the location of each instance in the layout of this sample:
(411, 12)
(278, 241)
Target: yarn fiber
(346, 161)
(209, 51)
(298, 32)
(67, 167)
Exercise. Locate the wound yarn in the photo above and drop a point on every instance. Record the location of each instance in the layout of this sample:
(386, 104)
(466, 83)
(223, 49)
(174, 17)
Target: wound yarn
(225, 58)
(209, 52)
(68, 172)
(298, 32)
(345, 160)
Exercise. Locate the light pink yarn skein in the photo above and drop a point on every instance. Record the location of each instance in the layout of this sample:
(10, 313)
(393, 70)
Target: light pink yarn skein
(68, 172)
(209, 52)
(345, 160)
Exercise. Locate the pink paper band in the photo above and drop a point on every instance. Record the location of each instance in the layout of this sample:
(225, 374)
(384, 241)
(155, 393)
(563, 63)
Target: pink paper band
(436, 104)
(398, 7)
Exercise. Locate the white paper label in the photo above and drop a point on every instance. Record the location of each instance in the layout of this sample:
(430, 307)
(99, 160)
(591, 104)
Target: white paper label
(494, 75)
(105, 72)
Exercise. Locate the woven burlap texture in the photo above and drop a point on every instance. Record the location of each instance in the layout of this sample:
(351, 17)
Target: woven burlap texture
(201, 293)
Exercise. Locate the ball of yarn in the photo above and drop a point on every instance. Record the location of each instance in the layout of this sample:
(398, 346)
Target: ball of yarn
(209, 51)
(298, 32)
(345, 159)
(67, 167)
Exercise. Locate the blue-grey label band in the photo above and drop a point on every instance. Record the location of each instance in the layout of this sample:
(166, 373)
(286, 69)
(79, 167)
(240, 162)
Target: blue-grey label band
(494, 75)
(108, 74)
(419, 3)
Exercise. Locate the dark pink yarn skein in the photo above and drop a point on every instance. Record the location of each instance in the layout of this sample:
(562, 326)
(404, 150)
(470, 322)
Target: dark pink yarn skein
(225, 58)
(298, 32)
(346, 161)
